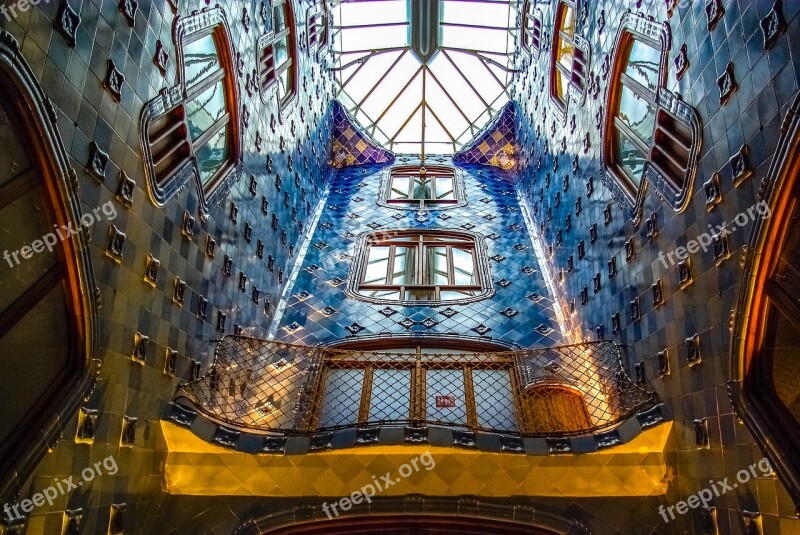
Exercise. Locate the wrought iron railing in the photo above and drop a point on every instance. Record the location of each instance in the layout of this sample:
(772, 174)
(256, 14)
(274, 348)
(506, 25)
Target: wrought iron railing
(270, 386)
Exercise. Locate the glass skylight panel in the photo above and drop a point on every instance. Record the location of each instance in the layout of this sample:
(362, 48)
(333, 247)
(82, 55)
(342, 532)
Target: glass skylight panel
(438, 105)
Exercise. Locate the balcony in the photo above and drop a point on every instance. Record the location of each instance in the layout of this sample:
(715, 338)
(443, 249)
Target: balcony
(278, 389)
(561, 421)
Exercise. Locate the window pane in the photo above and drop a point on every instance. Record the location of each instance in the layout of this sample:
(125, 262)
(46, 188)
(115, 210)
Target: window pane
(568, 22)
(643, 65)
(446, 400)
(22, 222)
(637, 113)
(463, 266)
(405, 263)
(421, 294)
(342, 397)
(279, 17)
(630, 158)
(494, 401)
(562, 82)
(281, 51)
(200, 59)
(39, 363)
(400, 187)
(212, 155)
(451, 295)
(443, 188)
(389, 295)
(205, 110)
(565, 53)
(422, 189)
(377, 265)
(12, 158)
(437, 266)
(285, 83)
(391, 393)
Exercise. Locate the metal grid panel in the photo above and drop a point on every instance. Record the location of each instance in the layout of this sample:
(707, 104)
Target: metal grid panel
(270, 386)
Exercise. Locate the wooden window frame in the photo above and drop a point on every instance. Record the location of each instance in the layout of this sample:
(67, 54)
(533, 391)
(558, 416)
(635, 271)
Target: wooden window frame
(532, 38)
(424, 239)
(418, 365)
(751, 385)
(31, 112)
(164, 120)
(317, 25)
(676, 129)
(558, 36)
(459, 194)
(269, 73)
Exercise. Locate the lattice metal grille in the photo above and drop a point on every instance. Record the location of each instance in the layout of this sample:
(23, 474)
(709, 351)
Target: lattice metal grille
(270, 386)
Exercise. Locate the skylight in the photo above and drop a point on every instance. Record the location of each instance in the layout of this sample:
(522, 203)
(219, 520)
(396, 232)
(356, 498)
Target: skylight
(424, 76)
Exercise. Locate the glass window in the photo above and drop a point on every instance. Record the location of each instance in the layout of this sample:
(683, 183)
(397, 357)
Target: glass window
(422, 187)
(633, 110)
(412, 266)
(278, 66)
(208, 104)
(318, 25)
(41, 355)
(563, 51)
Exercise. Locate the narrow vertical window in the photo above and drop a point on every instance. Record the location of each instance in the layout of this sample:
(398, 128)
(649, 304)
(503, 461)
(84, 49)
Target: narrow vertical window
(317, 26)
(193, 128)
(651, 134)
(563, 51)
(278, 57)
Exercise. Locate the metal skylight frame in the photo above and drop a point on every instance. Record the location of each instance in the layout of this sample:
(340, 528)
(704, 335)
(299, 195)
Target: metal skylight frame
(458, 86)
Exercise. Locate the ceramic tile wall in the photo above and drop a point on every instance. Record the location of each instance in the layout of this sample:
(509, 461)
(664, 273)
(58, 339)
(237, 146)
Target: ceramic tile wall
(257, 211)
(318, 312)
(767, 82)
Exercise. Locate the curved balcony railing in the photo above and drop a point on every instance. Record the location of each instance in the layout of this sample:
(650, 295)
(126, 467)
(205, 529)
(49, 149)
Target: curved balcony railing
(272, 387)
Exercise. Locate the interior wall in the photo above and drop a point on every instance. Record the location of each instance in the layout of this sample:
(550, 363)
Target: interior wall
(767, 82)
(73, 78)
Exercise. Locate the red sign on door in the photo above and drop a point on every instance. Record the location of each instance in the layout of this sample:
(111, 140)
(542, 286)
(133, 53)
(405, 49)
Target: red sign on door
(445, 402)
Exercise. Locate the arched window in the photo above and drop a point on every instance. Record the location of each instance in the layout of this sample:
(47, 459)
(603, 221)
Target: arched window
(570, 57)
(278, 56)
(45, 315)
(766, 371)
(193, 128)
(650, 134)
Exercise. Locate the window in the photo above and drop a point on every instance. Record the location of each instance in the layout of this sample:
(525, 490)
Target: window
(420, 188)
(437, 385)
(208, 105)
(317, 26)
(634, 115)
(651, 134)
(46, 313)
(569, 60)
(421, 268)
(277, 60)
(531, 28)
(193, 127)
(765, 371)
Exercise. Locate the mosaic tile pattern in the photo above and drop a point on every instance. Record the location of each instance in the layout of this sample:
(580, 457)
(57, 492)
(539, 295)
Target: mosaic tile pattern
(351, 144)
(496, 144)
(520, 313)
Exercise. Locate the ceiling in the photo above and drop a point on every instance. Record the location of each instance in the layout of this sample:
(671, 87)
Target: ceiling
(423, 77)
